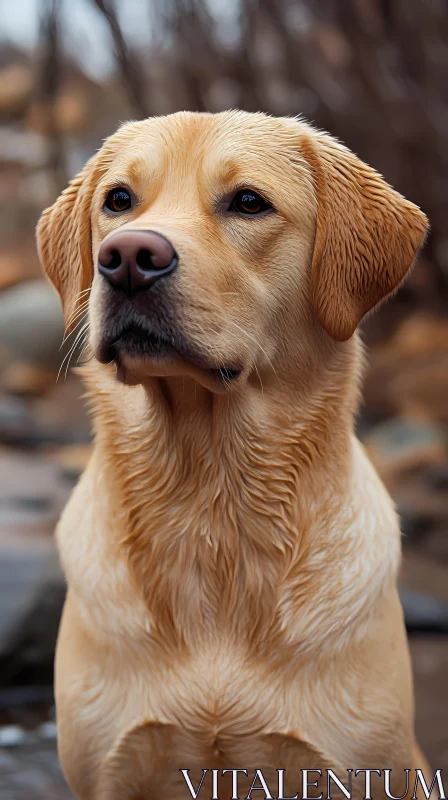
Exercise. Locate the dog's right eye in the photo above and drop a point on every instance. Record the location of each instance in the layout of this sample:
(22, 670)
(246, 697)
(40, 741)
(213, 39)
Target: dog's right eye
(118, 200)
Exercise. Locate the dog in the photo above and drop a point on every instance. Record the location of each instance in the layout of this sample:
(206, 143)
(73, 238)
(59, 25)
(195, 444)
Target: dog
(230, 553)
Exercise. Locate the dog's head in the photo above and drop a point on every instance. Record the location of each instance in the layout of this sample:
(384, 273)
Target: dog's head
(216, 244)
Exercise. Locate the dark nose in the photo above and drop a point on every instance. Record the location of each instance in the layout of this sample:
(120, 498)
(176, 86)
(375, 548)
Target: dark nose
(133, 260)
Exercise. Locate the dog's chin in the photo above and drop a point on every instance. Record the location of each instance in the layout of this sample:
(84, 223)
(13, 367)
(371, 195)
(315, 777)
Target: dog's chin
(135, 370)
(138, 360)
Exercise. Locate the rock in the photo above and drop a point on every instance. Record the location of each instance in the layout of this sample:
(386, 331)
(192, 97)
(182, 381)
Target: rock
(402, 444)
(423, 612)
(31, 771)
(430, 665)
(62, 412)
(30, 584)
(32, 495)
(31, 324)
(11, 736)
(48, 731)
(27, 379)
(408, 373)
(56, 418)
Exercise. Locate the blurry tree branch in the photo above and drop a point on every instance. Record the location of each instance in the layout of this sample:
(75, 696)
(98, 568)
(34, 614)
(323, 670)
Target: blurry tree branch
(132, 71)
(48, 85)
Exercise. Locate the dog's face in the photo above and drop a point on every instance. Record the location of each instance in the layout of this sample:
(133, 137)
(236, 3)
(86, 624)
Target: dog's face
(215, 245)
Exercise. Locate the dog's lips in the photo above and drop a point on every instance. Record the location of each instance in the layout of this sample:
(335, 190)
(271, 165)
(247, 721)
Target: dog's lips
(138, 354)
(132, 342)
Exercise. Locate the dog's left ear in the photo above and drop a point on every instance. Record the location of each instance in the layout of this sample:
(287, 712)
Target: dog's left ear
(64, 240)
(367, 235)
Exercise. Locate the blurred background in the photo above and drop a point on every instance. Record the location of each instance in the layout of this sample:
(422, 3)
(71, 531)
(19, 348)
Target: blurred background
(372, 72)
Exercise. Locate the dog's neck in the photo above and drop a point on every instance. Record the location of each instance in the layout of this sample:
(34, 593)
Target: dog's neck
(222, 488)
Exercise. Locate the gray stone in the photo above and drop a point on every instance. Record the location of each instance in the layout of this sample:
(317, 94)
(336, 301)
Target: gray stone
(31, 323)
(11, 736)
(48, 731)
(32, 496)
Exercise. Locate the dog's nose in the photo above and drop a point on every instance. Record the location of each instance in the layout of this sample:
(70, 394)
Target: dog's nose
(133, 260)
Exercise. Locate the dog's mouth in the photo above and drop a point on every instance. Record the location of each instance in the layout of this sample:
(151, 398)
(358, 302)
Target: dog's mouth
(134, 341)
(139, 353)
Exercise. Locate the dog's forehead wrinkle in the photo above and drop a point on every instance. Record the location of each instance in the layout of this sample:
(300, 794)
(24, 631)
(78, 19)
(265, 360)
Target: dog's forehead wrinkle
(227, 142)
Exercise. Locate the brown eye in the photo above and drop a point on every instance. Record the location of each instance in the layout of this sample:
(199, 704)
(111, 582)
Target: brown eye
(249, 203)
(118, 200)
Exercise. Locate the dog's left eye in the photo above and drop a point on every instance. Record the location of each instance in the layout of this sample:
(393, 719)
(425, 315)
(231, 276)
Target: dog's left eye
(249, 203)
(118, 200)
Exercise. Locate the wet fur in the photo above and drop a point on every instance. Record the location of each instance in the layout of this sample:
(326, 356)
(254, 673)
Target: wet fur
(231, 556)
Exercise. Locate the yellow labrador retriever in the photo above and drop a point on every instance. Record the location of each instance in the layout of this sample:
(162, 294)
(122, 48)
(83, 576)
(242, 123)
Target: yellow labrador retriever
(231, 554)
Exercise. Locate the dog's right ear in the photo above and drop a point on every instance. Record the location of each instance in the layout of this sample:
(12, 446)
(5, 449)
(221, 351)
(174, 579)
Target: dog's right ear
(64, 240)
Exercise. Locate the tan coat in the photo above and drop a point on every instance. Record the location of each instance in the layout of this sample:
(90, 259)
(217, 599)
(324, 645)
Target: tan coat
(231, 554)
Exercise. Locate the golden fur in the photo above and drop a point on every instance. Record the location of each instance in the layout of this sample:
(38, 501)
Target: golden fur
(231, 554)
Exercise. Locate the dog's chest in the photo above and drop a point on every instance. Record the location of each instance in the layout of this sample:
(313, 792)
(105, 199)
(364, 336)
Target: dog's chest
(203, 567)
(200, 582)
(188, 578)
(245, 566)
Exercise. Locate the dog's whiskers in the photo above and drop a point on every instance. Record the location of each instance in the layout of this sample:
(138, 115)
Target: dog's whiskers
(77, 310)
(67, 357)
(78, 297)
(80, 310)
(79, 322)
(84, 350)
(81, 341)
